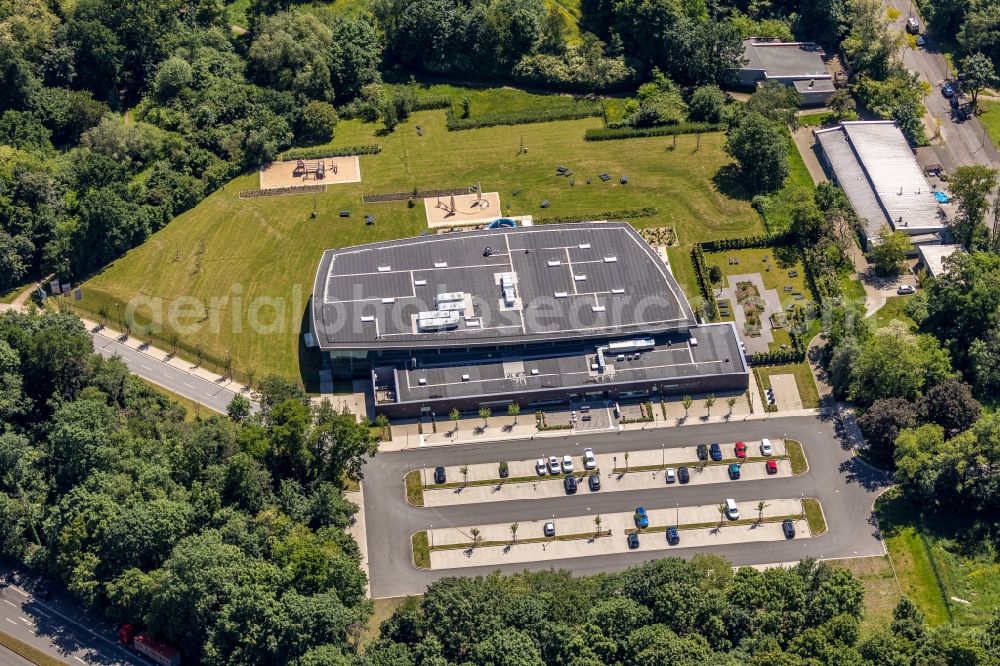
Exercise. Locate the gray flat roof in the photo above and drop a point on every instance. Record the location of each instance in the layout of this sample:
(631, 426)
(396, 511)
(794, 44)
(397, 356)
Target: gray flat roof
(785, 60)
(874, 165)
(571, 281)
(933, 257)
(717, 353)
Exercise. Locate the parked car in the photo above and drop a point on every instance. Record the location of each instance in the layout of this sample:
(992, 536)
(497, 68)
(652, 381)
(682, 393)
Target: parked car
(549, 529)
(716, 452)
(540, 466)
(671, 475)
(633, 541)
(594, 481)
(702, 452)
(948, 89)
(732, 511)
(906, 289)
(641, 518)
(682, 474)
(765, 447)
(741, 450)
(439, 475)
(589, 461)
(567, 465)
(504, 470)
(554, 465)
(673, 536)
(772, 466)
(788, 527)
(912, 26)
(921, 41)
(734, 471)
(569, 483)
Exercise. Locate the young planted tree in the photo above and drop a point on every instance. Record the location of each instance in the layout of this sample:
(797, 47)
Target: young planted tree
(513, 532)
(687, 402)
(761, 505)
(597, 523)
(484, 414)
(979, 74)
(455, 415)
(626, 461)
(382, 423)
(475, 536)
(464, 469)
(709, 401)
(513, 409)
(731, 402)
(722, 514)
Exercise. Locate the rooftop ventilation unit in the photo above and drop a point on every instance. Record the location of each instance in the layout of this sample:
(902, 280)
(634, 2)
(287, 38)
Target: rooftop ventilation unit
(440, 264)
(610, 260)
(584, 246)
(554, 262)
(384, 269)
(419, 283)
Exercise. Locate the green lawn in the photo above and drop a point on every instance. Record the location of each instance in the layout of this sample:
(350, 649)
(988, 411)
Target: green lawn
(779, 209)
(991, 119)
(948, 584)
(804, 380)
(504, 101)
(881, 589)
(267, 248)
(893, 309)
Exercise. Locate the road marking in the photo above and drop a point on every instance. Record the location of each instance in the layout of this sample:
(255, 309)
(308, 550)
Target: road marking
(10, 620)
(79, 660)
(186, 384)
(10, 603)
(24, 619)
(41, 612)
(22, 593)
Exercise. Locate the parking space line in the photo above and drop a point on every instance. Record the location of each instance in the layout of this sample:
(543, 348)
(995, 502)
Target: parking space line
(10, 620)
(10, 603)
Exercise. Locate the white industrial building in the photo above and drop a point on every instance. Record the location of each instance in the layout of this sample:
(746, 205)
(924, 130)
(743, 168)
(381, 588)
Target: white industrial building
(873, 163)
(932, 257)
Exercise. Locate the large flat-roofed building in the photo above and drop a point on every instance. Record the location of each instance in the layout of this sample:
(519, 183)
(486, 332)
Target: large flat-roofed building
(532, 315)
(932, 257)
(873, 163)
(796, 64)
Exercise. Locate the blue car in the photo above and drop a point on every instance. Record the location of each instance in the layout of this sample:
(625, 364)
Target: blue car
(641, 519)
(948, 89)
(716, 452)
(673, 537)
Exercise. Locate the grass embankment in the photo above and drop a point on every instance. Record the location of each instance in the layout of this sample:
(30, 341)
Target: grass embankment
(32, 654)
(938, 563)
(990, 119)
(797, 457)
(414, 488)
(192, 410)
(814, 516)
(259, 255)
(804, 381)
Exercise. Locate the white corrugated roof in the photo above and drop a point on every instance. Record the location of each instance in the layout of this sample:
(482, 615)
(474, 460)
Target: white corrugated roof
(933, 257)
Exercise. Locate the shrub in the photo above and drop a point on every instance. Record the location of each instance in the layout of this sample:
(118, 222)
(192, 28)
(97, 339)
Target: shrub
(319, 119)
(613, 133)
(706, 104)
(317, 152)
(623, 214)
(455, 122)
(701, 270)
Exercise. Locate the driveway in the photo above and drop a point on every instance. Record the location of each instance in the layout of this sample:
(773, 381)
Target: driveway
(845, 487)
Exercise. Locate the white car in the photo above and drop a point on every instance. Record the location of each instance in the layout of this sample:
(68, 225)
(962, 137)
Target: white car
(553, 465)
(567, 464)
(540, 466)
(589, 461)
(549, 529)
(671, 475)
(906, 289)
(765, 447)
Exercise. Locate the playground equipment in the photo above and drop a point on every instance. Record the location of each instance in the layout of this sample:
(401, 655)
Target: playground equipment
(314, 168)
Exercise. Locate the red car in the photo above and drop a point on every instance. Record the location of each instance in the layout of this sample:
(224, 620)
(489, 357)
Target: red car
(741, 450)
(772, 466)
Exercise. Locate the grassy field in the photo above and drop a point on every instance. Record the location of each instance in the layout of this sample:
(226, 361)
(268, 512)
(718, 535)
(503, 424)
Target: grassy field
(948, 584)
(260, 255)
(892, 310)
(796, 456)
(489, 101)
(814, 516)
(881, 589)
(991, 119)
(804, 380)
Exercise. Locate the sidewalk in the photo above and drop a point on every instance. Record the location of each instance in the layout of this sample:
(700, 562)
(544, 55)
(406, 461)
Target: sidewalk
(360, 534)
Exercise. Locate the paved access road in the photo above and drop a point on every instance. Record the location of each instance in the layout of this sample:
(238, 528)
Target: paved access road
(845, 486)
(56, 626)
(185, 384)
(965, 143)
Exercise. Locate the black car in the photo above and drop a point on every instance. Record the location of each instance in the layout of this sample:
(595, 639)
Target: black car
(633, 541)
(702, 452)
(673, 537)
(788, 527)
(683, 475)
(569, 483)
(439, 476)
(594, 481)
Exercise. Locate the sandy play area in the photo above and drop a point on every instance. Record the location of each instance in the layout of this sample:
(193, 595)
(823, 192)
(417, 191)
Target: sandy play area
(292, 174)
(462, 209)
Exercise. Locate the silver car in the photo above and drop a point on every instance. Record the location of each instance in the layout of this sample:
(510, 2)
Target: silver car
(554, 465)
(540, 466)
(589, 461)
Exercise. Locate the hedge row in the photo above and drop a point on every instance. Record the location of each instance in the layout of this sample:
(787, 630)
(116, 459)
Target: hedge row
(777, 357)
(429, 103)
(760, 240)
(318, 152)
(701, 270)
(416, 194)
(279, 191)
(455, 123)
(623, 214)
(610, 134)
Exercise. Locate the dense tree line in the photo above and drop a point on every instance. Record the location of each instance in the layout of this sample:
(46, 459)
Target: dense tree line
(668, 611)
(224, 535)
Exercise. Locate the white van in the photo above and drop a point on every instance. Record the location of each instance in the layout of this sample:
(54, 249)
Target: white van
(732, 511)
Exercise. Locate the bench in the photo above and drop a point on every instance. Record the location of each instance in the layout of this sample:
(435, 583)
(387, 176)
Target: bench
(345, 213)
(545, 203)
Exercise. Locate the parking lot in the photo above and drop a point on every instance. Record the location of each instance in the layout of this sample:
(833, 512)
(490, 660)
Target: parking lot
(844, 487)
(645, 469)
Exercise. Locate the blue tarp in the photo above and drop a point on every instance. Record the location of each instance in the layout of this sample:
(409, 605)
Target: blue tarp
(942, 197)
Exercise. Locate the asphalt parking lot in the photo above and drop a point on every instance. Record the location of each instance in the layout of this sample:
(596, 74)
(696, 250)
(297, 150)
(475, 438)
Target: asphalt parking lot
(845, 487)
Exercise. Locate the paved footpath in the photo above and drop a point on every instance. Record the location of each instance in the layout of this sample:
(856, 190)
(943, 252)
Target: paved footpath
(617, 524)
